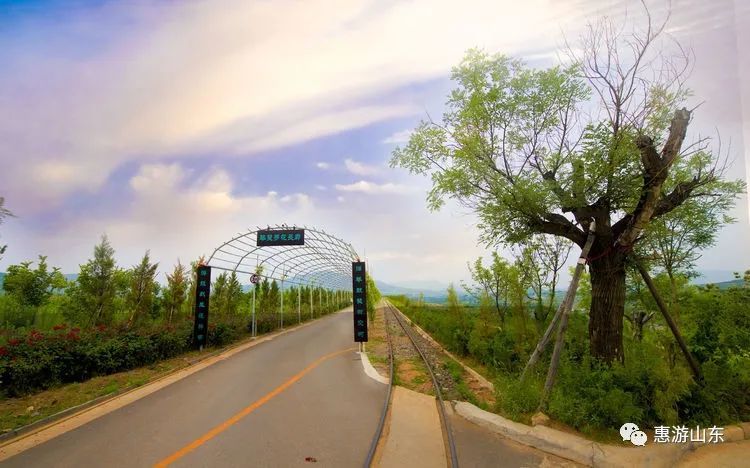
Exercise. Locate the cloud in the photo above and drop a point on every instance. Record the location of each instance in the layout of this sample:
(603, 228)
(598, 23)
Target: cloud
(322, 165)
(322, 188)
(398, 137)
(232, 77)
(364, 186)
(359, 168)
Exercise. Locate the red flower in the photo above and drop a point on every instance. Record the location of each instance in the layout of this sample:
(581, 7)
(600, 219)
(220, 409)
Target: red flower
(3, 351)
(62, 326)
(75, 330)
(13, 342)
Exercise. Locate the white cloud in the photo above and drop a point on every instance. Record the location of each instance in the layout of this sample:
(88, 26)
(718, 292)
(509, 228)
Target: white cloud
(359, 168)
(398, 137)
(157, 176)
(252, 79)
(322, 188)
(322, 165)
(374, 188)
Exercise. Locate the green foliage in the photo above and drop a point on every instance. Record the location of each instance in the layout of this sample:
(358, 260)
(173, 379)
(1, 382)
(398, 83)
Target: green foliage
(4, 213)
(654, 385)
(373, 297)
(33, 287)
(94, 293)
(38, 360)
(140, 297)
(175, 294)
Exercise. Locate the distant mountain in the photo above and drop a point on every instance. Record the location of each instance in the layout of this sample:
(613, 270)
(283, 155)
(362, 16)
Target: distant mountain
(714, 276)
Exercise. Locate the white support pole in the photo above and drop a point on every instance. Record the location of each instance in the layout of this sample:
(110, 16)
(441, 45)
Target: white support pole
(281, 308)
(252, 321)
(299, 304)
(312, 315)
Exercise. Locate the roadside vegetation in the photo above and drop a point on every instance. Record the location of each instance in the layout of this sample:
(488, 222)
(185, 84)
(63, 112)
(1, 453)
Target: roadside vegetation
(653, 385)
(109, 319)
(596, 152)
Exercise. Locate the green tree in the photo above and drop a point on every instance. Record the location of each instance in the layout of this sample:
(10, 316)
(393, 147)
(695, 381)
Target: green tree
(233, 294)
(4, 213)
(33, 287)
(373, 297)
(491, 282)
(219, 296)
(273, 299)
(542, 260)
(516, 145)
(141, 294)
(93, 293)
(175, 295)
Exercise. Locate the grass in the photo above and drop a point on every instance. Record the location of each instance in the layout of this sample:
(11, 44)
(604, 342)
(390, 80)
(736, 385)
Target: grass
(17, 412)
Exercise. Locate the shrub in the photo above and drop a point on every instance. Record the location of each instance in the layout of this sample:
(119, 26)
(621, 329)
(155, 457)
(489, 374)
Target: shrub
(38, 361)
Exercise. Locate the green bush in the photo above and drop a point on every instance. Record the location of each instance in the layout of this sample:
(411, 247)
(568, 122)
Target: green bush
(37, 361)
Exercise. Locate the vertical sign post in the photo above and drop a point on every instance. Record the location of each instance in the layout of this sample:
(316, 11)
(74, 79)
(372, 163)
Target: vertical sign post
(359, 289)
(202, 294)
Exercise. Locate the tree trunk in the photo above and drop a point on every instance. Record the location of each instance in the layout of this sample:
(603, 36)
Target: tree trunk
(607, 307)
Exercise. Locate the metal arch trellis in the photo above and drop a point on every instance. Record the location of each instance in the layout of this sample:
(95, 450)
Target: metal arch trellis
(323, 261)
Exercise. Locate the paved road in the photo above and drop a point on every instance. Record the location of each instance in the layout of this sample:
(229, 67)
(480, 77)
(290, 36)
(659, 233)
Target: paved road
(329, 414)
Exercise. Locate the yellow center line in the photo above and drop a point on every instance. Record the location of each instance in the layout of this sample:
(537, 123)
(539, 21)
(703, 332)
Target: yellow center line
(244, 412)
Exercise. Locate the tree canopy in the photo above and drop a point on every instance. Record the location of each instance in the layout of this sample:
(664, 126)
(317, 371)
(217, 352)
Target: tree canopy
(549, 151)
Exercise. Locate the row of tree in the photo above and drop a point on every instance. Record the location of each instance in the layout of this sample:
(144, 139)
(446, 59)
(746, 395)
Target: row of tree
(104, 294)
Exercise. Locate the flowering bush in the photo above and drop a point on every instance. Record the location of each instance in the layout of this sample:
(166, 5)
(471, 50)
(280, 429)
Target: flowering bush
(40, 360)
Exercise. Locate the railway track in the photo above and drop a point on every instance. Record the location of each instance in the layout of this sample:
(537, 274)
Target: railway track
(392, 315)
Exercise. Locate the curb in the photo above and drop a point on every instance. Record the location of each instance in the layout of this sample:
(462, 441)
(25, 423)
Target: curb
(573, 447)
(28, 430)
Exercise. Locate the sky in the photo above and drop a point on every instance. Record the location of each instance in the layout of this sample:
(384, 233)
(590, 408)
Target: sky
(172, 126)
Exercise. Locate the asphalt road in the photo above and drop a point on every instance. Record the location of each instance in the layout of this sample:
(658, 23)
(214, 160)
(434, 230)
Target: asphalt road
(329, 413)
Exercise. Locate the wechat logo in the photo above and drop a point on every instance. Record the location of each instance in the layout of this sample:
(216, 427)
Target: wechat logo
(630, 431)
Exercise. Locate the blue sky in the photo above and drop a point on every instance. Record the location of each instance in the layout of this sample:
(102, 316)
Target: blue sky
(138, 118)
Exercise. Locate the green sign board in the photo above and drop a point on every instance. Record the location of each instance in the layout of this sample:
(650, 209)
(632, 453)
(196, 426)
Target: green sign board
(359, 296)
(202, 294)
(274, 237)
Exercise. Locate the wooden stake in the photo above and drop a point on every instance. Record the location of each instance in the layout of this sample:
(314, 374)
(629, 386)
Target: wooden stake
(568, 306)
(567, 302)
(672, 325)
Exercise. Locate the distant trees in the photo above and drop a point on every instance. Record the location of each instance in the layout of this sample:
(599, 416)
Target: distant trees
(105, 295)
(140, 297)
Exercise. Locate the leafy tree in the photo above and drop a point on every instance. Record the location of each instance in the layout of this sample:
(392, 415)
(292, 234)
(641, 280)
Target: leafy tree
(141, 294)
(233, 294)
(177, 289)
(492, 282)
(33, 287)
(542, 260)
(373, 297)
(674, 242)
(219, 295)
(4, 213)
(93, 293)
(518, 147)
(273, 297)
